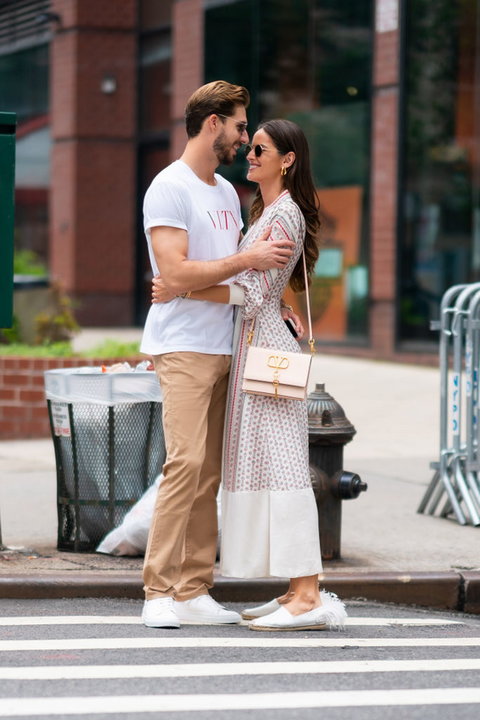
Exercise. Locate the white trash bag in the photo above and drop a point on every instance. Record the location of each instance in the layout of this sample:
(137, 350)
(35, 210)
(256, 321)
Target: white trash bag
(130, 538)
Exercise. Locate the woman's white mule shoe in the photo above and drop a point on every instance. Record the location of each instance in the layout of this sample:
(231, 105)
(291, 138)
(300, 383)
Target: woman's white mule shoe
(260, 610)
(330, 615)
(328, 600)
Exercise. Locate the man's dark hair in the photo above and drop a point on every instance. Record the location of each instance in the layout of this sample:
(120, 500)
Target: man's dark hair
(218, 97)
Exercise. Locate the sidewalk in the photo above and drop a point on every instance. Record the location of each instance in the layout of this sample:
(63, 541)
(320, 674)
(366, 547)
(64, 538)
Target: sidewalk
(389, 552)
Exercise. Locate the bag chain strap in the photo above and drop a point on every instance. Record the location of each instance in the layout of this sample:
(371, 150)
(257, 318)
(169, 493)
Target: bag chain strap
(311, 340)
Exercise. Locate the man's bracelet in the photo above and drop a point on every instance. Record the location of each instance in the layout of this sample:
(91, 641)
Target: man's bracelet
(185, 295)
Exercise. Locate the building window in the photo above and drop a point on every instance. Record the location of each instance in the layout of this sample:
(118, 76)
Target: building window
(155, 68)
(439, 240)
(310, 62)
(25, 91)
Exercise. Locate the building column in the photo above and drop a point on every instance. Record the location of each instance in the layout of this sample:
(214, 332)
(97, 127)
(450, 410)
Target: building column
(187, 65)
(384, 181)
(93, 186)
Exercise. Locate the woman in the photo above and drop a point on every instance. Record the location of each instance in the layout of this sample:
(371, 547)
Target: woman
(269, 515)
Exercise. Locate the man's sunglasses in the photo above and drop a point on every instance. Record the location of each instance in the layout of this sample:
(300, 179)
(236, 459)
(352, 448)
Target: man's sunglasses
(241, 126)
(257, 149)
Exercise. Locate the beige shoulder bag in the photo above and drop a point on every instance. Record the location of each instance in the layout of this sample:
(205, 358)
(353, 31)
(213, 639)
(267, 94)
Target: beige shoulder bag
(277, 373)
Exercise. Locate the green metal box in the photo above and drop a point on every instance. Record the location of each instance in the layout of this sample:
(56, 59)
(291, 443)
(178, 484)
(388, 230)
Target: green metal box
(8, 123)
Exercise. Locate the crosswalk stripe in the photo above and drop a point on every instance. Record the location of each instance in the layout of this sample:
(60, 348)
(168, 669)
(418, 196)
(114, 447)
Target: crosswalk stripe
(320, 640)
(118, 705)
(134, 620)
(108, 672)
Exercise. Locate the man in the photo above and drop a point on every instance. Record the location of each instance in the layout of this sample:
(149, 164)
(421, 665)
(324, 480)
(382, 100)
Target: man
(192, 222)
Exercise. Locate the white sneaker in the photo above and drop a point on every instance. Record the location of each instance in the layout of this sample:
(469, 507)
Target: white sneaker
(160, 613)
(204, 610)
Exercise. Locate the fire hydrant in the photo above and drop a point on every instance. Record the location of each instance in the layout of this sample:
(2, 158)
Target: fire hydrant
(328, 432)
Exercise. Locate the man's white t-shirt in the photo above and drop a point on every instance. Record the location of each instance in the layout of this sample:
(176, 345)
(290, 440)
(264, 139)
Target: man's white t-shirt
(211, 216)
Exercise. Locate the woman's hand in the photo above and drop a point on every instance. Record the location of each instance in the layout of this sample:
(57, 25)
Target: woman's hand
(290, 315)
(160, 294)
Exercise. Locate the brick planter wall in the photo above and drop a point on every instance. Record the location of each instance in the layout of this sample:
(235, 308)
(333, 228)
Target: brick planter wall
(23, 406)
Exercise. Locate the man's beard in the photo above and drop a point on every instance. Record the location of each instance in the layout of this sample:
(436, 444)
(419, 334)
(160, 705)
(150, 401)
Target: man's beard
(223, 151)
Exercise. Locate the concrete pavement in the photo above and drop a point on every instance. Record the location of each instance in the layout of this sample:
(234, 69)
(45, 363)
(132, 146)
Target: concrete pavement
(389, 552)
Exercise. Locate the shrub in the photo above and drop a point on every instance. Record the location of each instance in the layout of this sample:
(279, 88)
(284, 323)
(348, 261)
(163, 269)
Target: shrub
(26, 262)
(58, 325)
(11, 335)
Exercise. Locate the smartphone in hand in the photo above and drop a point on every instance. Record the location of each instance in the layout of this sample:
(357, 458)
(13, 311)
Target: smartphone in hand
(291, 327)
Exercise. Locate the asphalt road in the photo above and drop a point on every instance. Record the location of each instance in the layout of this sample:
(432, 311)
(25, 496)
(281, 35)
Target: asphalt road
(93, 659)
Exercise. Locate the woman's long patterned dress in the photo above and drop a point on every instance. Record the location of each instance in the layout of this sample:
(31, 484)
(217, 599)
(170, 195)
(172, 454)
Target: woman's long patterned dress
(269, 515)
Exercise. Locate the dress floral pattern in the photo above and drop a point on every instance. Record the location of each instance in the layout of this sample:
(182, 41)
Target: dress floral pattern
(269, 516)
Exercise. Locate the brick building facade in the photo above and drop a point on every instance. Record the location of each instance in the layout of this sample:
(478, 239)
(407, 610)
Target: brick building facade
(93, 190)
(109, 60)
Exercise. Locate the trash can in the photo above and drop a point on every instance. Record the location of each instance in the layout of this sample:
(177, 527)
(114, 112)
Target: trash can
(109, 447)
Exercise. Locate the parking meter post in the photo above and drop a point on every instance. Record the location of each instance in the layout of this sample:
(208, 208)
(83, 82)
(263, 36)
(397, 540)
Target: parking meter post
(111, 465)
(148, 446)
(76, 481)
(59, 464)
(7, 205)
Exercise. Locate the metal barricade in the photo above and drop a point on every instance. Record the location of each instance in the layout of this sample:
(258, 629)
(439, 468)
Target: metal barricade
(456, 471)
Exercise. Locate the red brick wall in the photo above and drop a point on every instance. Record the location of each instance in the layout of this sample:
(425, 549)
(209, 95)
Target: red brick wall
(187, 66)
(93, 187)
(386, 65)
(23, 407)
(383, 247)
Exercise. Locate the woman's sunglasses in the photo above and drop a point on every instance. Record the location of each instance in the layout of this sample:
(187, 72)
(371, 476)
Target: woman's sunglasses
(257, 149)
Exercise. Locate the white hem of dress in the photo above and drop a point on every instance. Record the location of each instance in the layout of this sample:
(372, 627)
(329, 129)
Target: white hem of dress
(270, 534)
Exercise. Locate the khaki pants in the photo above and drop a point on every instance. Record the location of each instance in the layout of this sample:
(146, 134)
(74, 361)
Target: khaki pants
(182, 543)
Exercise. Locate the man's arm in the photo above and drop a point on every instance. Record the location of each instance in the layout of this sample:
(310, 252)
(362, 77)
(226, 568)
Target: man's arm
(170, 247)
(220, 294)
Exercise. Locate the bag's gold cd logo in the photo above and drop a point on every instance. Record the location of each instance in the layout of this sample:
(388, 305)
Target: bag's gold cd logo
(277, 362)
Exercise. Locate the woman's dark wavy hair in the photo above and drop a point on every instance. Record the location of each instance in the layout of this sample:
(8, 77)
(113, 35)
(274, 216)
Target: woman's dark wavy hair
(289, 137)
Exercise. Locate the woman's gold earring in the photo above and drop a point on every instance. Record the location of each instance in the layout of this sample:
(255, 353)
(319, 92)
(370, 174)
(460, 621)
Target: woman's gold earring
(283, 171)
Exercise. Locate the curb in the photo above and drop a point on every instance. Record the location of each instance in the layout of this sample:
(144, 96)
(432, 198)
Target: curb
(436, 590)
